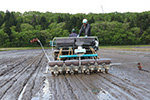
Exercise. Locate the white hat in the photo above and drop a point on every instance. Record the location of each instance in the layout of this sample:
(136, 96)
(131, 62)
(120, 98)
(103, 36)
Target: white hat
(84, 21)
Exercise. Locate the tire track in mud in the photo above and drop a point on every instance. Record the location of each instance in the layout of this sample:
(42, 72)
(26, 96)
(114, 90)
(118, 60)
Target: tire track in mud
(39, 81)
(58, 89)
(130, 83)
(130, 89)
(67, 87)
(71, 94)
(89, 87)
(6, 85)
(111, 90)
(9, 85)
(61, 88)
(95, 88)
(100, 89)
(80, 87)
(30, 85)
(12, 66)
(18, 81)
(18, 69)
(77, 88)
(36, 64)
(6, 63)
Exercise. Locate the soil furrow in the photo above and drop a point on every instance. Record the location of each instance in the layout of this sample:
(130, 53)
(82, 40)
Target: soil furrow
(116, 91)
(31, 83)
(77, 88)
(130, 83)
(22, 79)
(16, 63)
(126, 87)
(18, 70)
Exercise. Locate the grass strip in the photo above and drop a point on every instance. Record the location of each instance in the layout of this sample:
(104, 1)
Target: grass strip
(121, 47)
(128, 47)
(22, 48)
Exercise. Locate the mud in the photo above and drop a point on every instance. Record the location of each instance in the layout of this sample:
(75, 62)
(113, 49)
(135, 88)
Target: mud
(24, 76)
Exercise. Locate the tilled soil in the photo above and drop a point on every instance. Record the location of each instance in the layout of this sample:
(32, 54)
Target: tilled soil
(24, 76)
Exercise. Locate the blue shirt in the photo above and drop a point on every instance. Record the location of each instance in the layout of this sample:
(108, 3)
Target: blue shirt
(73, 35)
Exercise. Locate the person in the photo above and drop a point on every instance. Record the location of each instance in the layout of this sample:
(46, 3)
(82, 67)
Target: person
(85, 28)
(73, 34)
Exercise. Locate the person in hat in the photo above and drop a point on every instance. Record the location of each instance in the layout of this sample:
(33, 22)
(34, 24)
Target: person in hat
(85, 28)
(73, 34)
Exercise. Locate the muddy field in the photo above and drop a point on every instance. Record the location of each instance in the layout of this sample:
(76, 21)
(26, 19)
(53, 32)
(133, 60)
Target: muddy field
(23, 76)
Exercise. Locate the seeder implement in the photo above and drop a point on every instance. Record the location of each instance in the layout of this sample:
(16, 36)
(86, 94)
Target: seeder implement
(73, 55)
(77, 55)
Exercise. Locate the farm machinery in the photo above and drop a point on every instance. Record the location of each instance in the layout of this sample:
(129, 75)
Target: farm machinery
(73, 55)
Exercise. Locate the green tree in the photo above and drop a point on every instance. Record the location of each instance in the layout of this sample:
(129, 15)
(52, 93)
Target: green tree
(12, 19)
(91, 20)
(59, 19)
(18, 27)
(26, 27)
(1, 20)
(33, 21)
(7, 28)
(113, 33)
(56, 30)
(111, 28)
(4, 39)
(43, 22)
(7, 15)
(145, 37)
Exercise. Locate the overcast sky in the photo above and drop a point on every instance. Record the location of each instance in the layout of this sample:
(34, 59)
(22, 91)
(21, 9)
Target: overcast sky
(76, 6)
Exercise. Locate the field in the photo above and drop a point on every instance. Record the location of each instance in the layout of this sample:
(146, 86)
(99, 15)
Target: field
(24, 76)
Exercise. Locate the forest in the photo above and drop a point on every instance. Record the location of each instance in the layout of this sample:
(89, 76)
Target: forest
(17, 29)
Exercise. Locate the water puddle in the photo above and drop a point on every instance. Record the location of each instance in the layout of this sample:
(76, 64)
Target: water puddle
(37, 97)
(45, 93)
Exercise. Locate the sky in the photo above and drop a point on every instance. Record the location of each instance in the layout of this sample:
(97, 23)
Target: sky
(76, 6)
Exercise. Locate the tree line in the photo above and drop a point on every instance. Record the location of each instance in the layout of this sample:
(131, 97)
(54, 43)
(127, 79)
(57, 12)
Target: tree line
(17, 29)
